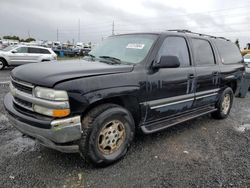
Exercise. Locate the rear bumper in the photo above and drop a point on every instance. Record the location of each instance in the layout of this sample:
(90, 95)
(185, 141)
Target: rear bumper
(62, 131)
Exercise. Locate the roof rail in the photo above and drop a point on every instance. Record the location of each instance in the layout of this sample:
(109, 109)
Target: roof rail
(200, 34)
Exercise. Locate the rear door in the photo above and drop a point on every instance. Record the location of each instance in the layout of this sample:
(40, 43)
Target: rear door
(207, 72)
(170, 90)
(34, 54)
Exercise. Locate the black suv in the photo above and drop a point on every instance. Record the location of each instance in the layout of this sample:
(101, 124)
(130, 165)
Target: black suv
(143, 81)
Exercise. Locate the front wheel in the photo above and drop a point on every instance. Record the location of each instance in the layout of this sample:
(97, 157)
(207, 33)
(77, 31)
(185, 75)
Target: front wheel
(2, 64)
(108, 131)
(224, 104)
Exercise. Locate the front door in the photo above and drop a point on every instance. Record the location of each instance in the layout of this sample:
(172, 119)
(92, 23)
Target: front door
(18, 56)
(171, 90)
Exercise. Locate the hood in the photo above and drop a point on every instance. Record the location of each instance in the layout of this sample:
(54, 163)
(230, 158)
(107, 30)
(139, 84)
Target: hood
(49, 73)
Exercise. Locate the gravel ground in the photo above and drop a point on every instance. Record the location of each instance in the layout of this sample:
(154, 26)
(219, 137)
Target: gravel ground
(200, 153)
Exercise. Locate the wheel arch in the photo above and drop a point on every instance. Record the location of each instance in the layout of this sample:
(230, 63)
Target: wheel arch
(2, 58)
(233, 84)
(128, 102)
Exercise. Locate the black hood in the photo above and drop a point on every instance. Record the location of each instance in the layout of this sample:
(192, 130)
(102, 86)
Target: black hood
(49, 73)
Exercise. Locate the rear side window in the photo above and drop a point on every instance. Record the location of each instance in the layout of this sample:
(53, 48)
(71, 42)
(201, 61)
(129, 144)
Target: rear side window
(228, 51)
(44, 51)
(203, 53)
(175, 46)
(34, 51)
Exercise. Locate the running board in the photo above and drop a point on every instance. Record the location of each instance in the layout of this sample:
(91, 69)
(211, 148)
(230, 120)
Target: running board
(158, 126)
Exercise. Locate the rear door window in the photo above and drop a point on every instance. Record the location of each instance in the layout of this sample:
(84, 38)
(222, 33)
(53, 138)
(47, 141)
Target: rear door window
(229, 52)
(175, 46)
(44, 51)
(203, 52)
(34, 51)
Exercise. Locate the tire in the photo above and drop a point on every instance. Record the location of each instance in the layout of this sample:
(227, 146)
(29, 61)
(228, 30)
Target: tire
(102, 126)
(2, 64)
(223, 105)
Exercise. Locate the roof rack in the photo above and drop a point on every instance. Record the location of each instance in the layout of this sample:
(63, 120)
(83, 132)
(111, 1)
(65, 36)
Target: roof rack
(200, 34)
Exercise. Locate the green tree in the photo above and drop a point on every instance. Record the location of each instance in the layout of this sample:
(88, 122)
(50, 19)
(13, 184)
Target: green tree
(11, 37)
(29, 40)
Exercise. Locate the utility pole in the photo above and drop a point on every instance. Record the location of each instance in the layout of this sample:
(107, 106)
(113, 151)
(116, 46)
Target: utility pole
(57, 33)
(79, 31)
(113, 28)
(28, 33)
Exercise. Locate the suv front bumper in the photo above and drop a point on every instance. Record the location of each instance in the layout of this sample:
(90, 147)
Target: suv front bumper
(62, 131)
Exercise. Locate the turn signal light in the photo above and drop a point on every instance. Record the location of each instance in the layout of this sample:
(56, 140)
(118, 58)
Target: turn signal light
(60, 112)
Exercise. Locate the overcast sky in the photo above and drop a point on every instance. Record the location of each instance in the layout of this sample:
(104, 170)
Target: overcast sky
(41, 18)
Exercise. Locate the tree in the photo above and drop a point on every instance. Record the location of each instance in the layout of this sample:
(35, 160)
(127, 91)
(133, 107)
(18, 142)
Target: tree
(11, 37)
(237, 43)
(29, 39)
(19, 39)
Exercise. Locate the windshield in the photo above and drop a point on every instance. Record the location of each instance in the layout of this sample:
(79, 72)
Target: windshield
(8, 48)
(125, 48)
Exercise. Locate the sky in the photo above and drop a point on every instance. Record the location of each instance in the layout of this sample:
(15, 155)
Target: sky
(49, 19)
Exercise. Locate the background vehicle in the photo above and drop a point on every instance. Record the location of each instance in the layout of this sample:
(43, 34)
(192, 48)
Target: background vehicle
(20, 55)
(247, 60)
(144, 81)
(64, 51)
(246, 49)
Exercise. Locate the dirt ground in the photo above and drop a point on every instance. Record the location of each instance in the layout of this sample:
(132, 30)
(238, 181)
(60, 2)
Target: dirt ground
(200, 153)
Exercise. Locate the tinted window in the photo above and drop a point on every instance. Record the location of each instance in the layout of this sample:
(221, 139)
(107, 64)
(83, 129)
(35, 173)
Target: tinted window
(21, 50)
(175, 46)
(34, 50)
(44, 51)
(203, 53)
(229, 52)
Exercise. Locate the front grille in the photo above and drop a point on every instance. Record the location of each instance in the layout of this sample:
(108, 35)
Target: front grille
(22, 87)
(26, 89)
(23, 102)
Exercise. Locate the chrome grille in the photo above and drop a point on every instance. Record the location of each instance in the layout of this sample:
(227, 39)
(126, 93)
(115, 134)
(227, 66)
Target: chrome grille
(21, 86)
(23, 103)
(26, 89)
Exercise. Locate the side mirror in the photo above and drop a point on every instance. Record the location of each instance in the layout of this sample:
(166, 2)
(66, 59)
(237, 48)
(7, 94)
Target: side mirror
(167, 62)
(14, 51)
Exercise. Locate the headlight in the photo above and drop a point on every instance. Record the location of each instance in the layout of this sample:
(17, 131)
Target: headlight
(51, 94)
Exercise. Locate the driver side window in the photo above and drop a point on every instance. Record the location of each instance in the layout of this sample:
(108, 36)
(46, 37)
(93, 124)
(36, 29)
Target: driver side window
(175, 46)
(22, 50)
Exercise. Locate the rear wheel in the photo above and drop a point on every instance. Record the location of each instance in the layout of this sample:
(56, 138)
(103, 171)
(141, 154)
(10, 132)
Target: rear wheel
(2, 64)
(108, 131)
(224, 104)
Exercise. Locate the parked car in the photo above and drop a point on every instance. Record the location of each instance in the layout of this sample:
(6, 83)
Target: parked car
(133, 82)
(85, 50)
(247, 60)
(20, 55)
(65, 51)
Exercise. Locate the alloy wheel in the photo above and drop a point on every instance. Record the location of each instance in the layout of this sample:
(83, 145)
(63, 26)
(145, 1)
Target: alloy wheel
(111, 137)
(226, 103)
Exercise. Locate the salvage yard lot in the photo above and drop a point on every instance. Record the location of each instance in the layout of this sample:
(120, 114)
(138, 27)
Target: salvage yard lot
(199, 153)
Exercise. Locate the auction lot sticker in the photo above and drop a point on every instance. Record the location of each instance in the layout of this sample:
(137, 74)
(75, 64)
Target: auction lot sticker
(135, 46)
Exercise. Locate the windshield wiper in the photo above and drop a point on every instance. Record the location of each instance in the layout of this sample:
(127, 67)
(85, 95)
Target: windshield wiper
(113, 59)
(90, 55)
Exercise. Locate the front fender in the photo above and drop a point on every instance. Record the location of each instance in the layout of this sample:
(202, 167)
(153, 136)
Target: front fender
(107, 93)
